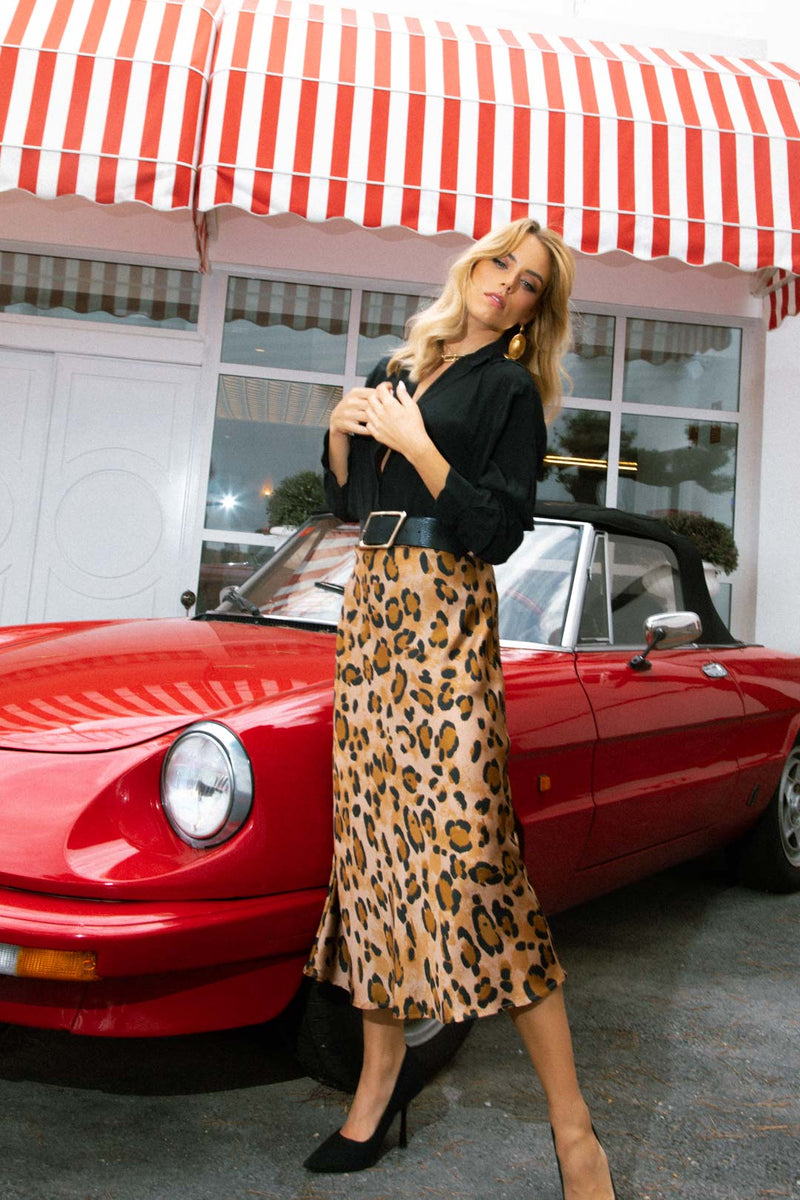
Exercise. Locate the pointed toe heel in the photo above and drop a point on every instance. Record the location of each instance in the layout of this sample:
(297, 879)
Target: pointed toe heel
(338, 1154)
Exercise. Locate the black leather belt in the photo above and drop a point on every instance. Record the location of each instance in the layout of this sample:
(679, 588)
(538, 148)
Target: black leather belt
(395, 528)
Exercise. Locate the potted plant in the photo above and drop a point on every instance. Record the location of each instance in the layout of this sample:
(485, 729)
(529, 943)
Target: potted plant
(714, 541)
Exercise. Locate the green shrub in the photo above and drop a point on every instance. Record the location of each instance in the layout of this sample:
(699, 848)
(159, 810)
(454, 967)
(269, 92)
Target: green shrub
(296, 498)
(713, 539)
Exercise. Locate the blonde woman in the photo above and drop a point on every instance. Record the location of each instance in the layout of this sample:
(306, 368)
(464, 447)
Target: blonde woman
(430, 912)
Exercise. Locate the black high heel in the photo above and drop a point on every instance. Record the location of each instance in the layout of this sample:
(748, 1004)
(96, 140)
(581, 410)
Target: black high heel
(338, 1154)
(558, 1164)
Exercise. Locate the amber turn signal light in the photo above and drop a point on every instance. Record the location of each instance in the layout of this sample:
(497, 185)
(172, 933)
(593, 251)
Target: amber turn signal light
(28, 962)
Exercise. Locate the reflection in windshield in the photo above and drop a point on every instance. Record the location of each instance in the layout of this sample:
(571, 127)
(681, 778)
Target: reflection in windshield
(288, 585)
(303, 581)
(534, 585)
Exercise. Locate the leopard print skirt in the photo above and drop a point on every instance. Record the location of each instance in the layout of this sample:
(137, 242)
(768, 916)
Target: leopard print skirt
(429, 912)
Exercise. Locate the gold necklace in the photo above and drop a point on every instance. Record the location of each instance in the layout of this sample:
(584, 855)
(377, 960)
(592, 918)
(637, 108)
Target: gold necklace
(447, 358)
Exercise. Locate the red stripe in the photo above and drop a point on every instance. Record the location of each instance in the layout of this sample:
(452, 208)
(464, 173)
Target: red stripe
(660, 164)
(232, 116)
(556, 154)
(521, 159)
(76, 121)
(343, 121)
(787, 70)
(762, 178)
(270, 111)
(729, 174)
(626, 158)
(758, 68)
(636, 54)
(8, 70)
(37, 116)
(695, 195)
(783, 108)
(379, 129)
(451, 129)
(415, 128)
(118, 103)
(95, 26)
(154, 105)
(55, 30)
(307, 114)
(484, 178)
(541, 43)
(590, 239)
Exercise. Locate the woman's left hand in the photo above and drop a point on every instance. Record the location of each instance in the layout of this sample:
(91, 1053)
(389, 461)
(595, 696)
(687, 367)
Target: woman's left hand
(393, 418)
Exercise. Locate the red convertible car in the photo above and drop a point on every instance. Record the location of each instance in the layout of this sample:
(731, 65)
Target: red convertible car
(165, 785)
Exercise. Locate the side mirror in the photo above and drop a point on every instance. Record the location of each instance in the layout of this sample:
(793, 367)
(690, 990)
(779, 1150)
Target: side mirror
(665, 631)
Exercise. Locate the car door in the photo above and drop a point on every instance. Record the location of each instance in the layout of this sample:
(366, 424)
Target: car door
(550, 720)
(666, 755)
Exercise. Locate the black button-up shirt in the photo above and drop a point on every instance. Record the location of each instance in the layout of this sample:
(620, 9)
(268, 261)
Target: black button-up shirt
(484, 415)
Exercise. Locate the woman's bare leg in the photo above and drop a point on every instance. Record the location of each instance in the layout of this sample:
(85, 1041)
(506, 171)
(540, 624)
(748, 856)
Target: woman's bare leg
(384, 1049)
(544, 1030)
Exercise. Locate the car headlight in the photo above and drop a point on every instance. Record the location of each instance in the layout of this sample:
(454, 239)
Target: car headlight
(206, 784)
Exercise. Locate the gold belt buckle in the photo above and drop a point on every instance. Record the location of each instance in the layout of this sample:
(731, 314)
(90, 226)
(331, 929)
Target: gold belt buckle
(386, 512)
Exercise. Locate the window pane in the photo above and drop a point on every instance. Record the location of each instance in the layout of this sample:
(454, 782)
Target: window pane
(382, 326)
(43, 286)
(223, 564)
(576, 465)
(645, 580)
(694, 366)
(534, 585)
(678, 466)
(590, 360)
(265, 431)
(289, 325)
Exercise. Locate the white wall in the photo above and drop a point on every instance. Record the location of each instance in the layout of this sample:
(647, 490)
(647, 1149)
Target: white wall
(778, 609)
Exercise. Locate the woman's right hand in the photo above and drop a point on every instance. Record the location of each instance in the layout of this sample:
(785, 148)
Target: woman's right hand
(350, 414)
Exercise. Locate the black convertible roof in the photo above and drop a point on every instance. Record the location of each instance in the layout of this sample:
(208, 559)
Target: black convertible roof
(614, 520)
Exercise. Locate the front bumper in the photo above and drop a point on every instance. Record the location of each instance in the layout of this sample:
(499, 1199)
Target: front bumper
(165, 967)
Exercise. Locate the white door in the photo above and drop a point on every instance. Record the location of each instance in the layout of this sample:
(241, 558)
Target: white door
(112, 536)
(25, 401)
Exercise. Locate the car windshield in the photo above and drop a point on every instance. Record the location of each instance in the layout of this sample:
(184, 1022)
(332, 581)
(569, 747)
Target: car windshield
(305, 579)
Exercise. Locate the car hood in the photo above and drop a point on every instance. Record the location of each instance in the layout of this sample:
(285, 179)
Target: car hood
(97, 686)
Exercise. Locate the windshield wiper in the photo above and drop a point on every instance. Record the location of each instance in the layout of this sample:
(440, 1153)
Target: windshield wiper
(329, 587)
(241, 602)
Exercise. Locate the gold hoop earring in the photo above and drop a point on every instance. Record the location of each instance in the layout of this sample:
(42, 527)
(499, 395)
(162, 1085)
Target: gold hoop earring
(518, 345)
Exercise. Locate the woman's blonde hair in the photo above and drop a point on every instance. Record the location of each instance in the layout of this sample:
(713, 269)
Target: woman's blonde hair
(547, 335)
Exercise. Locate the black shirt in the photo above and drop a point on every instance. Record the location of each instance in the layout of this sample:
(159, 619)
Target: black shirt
(484, 415)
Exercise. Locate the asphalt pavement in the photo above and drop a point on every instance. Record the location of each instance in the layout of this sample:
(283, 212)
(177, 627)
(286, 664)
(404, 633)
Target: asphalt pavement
(684, 996)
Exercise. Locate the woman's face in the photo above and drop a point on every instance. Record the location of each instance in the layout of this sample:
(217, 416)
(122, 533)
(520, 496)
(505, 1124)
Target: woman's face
(504, 291)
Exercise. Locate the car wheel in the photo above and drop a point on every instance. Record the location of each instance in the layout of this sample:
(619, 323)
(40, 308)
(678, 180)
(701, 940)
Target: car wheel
(769, 856)
(329, 1044)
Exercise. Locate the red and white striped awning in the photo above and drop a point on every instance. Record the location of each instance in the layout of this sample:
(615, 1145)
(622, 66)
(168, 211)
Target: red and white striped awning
(392, 120)
(104, 98)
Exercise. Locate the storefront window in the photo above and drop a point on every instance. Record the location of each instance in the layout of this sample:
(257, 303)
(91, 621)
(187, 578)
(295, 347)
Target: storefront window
(688, 366)
(603, 447)
(576, 466)
(589, 363)
(266, 431)
(294, 326)
(678, 465)
(42, 285)
(382, 325)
